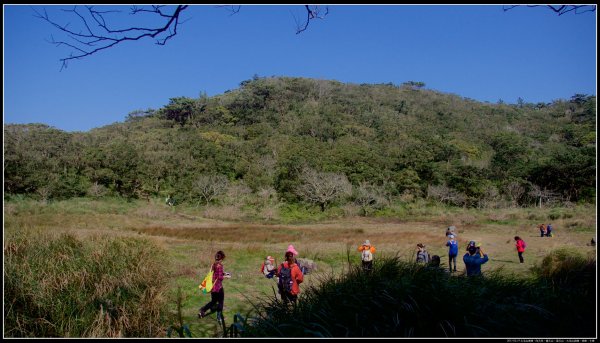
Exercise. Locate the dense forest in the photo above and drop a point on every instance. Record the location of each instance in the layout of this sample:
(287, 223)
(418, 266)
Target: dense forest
(321, 143)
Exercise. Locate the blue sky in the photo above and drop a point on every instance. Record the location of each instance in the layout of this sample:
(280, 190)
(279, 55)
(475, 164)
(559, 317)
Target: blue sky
(479, 52)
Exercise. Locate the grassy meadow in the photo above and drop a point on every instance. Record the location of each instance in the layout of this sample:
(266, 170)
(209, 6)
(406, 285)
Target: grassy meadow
(67, 263)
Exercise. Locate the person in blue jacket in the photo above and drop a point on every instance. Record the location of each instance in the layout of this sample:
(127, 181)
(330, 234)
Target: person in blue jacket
(473, 260)
(452, 252)
(549, 230)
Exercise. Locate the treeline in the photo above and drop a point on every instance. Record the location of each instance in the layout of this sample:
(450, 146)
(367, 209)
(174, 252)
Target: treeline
(299, 140)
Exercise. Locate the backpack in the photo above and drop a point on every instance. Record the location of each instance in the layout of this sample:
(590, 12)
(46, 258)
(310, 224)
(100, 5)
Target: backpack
(524, 244)
(366, 255)
(207, 284)
(285, 279)
(453, 248)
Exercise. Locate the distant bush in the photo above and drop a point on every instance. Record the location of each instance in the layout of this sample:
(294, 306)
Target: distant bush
(403, 299)
(64, 286)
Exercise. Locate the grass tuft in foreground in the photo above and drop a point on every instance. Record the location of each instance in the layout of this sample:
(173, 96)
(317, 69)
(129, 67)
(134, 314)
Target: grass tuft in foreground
(57, 285)
(403, 299)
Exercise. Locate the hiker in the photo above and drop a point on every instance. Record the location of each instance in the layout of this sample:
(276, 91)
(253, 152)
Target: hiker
(521, 245)
(422, 254)
(268, 267)
(290, 276)
(217, 293)
(549, 230)
(542, 228)
(366, 255)
(170, 201)
(452, 252)
(450, 230)
(473, 260)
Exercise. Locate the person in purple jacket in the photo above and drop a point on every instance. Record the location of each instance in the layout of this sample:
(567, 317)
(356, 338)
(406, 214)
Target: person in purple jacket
(217, 294)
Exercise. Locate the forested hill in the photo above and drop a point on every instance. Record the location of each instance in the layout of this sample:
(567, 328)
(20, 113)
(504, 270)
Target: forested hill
(322, 142)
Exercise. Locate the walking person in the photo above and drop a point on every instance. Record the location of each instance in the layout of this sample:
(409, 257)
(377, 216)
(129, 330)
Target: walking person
(217, 293)
(366, 255)
(452, 252)
(422, 254)
(521, 245)
(290, 276)
(473, 260)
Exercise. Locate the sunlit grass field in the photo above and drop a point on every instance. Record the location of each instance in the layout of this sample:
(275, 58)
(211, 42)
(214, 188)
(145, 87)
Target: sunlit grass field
(185, 241)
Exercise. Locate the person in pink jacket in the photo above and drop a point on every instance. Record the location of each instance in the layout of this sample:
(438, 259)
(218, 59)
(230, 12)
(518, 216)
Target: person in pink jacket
(520, 244)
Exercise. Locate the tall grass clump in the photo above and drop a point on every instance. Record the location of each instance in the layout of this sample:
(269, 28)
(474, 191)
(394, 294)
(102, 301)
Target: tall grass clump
(57, 285)
(404, 299)
(569, 278)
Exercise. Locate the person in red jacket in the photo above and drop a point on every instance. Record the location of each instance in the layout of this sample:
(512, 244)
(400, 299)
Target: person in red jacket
(290, 276)
(520, 244)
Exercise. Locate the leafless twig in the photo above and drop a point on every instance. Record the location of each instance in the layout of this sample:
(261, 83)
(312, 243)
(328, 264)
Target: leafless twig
(560, 9)
(312, 12)
(97, 35)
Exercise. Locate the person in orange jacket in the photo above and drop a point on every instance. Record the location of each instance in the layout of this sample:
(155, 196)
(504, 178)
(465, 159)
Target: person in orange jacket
(290, 277)
(366, 255)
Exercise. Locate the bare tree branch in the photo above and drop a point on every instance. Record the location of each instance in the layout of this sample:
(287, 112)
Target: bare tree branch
(560, 9)
(232, 9)
(312, 12)
(97, 36)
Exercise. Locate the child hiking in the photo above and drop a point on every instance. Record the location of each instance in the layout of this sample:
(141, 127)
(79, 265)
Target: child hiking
(366, 255)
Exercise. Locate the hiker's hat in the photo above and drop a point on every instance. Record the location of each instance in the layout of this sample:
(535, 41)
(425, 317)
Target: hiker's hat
(367, 242)
(291, 248)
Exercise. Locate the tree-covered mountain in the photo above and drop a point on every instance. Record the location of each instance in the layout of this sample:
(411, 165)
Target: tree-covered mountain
(321, 142)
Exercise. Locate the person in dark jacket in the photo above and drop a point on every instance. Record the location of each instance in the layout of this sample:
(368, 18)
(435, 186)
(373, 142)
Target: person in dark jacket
(452, 252)
(473, 260)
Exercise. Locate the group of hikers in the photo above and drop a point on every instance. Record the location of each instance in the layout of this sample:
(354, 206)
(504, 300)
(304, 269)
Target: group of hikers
(289, 274)
(473, 258)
